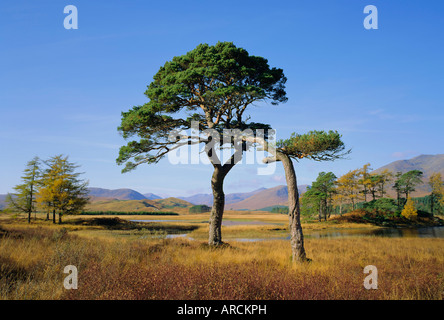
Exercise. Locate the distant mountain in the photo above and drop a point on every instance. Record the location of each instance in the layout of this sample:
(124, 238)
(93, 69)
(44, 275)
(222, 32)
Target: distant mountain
(119, 194)
(252, 200)
(265, 198)
(237, 197)
(207, 199)
(428, 164)
(200, 198)
(151, 196)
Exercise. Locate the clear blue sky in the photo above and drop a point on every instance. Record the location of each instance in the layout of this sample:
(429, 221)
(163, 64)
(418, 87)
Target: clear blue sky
(62, 91)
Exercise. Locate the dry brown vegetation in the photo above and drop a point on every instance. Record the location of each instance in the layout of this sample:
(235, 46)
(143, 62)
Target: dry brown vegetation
(32, 259)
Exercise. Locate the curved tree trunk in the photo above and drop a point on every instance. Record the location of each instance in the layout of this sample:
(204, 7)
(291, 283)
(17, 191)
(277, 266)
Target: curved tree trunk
(294, 212)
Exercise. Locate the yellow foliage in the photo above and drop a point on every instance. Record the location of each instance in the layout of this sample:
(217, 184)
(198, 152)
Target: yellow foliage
(437, 186)
(409, 210)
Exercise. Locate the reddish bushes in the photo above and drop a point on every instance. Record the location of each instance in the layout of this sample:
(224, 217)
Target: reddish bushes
(209, 281)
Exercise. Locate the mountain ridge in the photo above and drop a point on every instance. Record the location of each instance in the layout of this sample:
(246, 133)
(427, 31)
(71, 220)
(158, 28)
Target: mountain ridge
(119, 194)
(426, 163)
(207, 199)
(269, 197)
(151, 196)
(262, 197)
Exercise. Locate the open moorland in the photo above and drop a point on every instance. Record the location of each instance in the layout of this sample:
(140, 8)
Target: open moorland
(119, 257)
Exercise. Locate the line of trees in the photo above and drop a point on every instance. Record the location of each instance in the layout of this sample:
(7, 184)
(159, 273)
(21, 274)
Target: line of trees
(52, 186)
(330, 193)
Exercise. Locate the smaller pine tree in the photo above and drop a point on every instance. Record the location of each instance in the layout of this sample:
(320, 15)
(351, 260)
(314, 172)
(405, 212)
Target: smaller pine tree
(409, 210)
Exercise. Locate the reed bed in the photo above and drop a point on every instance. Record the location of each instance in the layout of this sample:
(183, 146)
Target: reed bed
(32, 260)
(119, 260)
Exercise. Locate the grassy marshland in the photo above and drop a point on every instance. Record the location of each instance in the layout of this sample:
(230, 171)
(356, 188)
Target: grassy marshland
(118, 259)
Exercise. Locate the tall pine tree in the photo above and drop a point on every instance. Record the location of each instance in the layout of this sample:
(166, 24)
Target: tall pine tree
(24, 199)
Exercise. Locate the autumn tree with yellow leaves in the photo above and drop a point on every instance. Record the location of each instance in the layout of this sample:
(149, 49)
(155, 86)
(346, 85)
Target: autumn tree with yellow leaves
(437, 194)
(347, 187)
(364, 180)
(60, 189)
(409, 210)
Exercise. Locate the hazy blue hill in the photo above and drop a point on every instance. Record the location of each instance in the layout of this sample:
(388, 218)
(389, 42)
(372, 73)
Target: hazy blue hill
(207, 199)
(200, 198)
(253, 200)
(119, 194)
(236, 197)
(265, 198)
(151, 196)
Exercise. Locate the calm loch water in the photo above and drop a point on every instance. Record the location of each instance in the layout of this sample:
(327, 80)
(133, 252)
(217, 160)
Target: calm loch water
(426, 232)
(423, 232)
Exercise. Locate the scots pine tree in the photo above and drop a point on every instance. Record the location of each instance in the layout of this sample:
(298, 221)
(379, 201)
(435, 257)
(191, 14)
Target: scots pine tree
(213, 86)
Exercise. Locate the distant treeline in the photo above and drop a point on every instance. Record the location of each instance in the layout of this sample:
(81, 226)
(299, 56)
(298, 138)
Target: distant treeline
(121, 213)
(280, 209)
(421, 203)
(200, 209)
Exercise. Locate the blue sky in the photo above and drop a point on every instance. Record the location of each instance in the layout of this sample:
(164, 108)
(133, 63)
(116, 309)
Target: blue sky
(62, 91)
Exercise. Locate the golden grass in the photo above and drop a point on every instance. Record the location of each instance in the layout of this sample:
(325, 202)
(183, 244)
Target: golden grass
(122, 264)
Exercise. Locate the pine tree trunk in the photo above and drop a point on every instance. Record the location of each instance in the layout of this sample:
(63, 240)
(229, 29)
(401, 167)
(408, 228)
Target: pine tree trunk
(325, 209)
(217, 211)
(294, 212)
(398, 197)
(217, 182)
(215, 234)
(30, 200)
